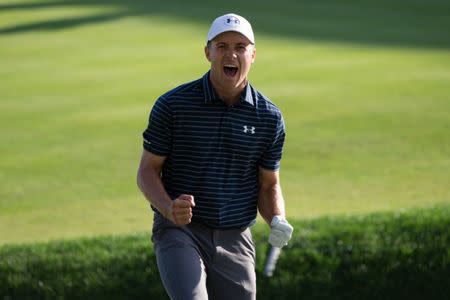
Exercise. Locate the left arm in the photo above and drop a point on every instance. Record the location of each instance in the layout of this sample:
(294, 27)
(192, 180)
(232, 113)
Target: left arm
(270, 197)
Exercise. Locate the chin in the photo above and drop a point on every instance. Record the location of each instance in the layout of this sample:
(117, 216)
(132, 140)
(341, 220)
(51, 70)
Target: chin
(235, 83)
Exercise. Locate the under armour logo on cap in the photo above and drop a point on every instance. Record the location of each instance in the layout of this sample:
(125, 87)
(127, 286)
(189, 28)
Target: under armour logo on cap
(232, 21)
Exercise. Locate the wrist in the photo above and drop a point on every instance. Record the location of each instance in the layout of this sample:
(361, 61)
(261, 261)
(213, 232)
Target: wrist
(276, 219)
(166, 211)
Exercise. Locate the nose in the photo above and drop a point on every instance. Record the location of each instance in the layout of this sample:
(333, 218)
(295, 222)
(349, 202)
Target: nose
(232, 53)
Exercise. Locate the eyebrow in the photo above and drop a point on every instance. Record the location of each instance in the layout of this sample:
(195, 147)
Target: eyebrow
(237, 44)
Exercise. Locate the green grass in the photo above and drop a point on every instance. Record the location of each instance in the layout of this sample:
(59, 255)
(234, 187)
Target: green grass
(364, 91)
(399, 255)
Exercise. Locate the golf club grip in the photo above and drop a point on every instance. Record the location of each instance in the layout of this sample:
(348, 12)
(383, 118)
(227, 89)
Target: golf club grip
(271, 260)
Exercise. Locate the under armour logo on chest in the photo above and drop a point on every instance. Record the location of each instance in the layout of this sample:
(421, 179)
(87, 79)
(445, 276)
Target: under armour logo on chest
(249, 129)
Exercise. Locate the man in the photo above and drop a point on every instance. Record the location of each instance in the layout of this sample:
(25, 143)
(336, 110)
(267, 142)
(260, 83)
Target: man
(211, 156)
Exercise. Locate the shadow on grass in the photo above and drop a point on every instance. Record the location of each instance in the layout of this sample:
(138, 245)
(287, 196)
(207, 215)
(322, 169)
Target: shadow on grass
(398, 23)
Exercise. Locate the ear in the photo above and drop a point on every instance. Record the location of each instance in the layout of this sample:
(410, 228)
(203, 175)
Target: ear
(253, 54)
(207, 53)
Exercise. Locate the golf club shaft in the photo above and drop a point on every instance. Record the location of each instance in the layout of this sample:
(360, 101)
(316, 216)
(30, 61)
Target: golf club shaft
(271, 260)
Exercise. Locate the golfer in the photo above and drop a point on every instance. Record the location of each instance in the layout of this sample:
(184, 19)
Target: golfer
(211, 159)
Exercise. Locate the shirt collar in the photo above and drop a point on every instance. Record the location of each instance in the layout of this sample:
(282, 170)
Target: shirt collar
(212, 97)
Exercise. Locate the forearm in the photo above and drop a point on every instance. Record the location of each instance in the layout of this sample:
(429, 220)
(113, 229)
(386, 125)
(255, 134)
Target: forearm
(149, 182)
(271, 204)
(271, 201)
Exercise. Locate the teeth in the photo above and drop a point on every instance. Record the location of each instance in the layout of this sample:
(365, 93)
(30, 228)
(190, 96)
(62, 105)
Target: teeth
(230, 66)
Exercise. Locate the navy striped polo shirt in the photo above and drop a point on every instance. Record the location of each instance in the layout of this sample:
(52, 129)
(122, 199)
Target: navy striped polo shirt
(213, 151)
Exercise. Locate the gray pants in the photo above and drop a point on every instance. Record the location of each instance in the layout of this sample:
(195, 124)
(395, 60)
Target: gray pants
(197, 262)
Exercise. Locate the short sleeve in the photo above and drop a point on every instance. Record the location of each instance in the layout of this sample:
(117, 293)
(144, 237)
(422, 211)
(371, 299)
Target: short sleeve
(271, 157)
(158, 135)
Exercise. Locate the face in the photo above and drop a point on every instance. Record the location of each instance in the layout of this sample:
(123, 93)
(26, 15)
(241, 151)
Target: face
(231, 55)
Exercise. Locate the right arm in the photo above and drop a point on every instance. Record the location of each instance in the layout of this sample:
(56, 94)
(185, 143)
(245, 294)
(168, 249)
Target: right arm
(179, 211)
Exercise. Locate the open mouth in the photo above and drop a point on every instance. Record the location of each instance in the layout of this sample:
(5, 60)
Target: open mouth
(230, 70)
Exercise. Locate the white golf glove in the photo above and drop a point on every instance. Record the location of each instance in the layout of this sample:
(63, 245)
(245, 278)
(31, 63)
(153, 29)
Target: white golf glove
(281, 232)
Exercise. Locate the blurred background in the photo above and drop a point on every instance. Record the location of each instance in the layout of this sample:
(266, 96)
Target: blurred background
(364, 87)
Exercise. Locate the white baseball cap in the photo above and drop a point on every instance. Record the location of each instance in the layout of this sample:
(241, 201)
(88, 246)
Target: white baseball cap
(231, 22)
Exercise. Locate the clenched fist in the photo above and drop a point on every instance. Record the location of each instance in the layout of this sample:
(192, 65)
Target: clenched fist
(180, 210)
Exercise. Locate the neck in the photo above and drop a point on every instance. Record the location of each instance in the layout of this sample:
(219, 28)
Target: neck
(229, 94)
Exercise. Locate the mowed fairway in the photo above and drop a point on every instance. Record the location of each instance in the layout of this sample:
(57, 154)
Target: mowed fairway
(364, 87)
